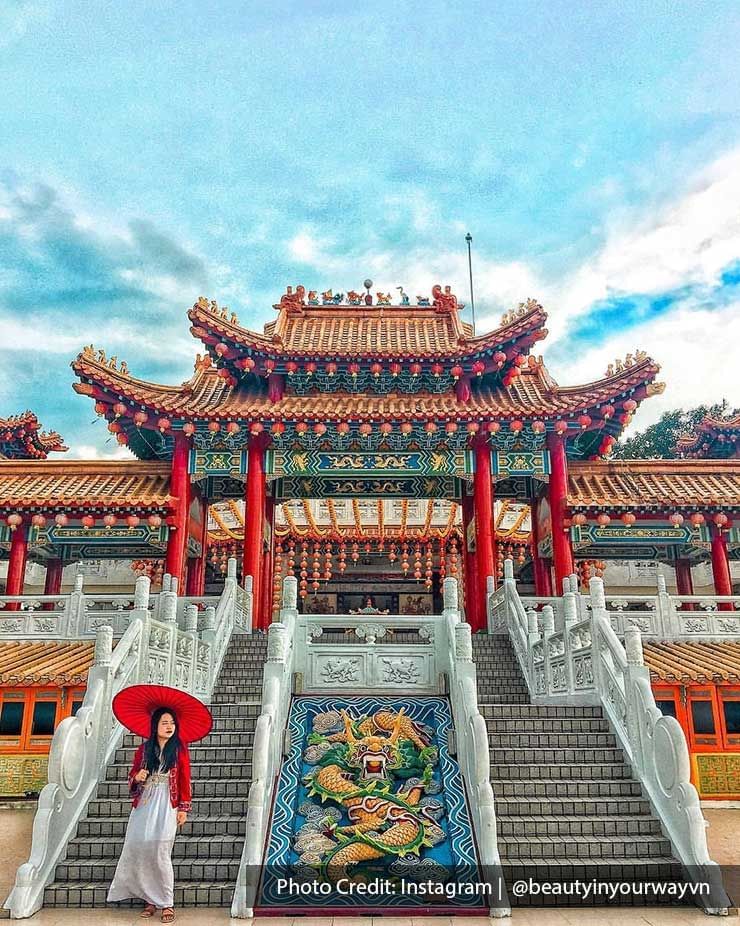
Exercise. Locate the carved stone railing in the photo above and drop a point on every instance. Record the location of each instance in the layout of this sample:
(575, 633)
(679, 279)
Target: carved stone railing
(268, 749)
(150, 651)
(587, 663)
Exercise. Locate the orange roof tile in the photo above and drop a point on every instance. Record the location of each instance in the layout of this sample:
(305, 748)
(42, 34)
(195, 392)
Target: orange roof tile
(85, 483)
(644, 483)
(32, 662)
(207, 395)
(693, 662)
(352, 331)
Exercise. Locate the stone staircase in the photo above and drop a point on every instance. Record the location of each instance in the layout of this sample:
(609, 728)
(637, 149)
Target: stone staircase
(567, 805)
(207, 851)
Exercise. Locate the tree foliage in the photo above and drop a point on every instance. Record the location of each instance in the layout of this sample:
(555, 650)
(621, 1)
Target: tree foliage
(658, 441)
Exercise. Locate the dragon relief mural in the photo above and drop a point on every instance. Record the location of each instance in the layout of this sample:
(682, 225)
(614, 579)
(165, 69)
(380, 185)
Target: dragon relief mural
(377, 774)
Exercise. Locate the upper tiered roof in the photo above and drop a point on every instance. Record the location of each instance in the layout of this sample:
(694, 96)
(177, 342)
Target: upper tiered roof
(355, 365)
(712, 437)
(21, 438)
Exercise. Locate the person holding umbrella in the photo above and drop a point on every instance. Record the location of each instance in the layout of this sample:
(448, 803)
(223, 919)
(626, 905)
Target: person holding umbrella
(160, 788)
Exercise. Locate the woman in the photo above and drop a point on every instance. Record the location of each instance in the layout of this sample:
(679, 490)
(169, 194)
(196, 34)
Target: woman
(160, 788)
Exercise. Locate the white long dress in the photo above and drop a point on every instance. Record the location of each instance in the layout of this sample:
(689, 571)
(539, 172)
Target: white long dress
(144, 870)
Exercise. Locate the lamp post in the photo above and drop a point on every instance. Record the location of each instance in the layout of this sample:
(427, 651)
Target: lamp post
(469, 239)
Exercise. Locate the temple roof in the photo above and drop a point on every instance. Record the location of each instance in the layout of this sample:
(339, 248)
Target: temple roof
(34, 662)
(693, 662)
(21, 438)
(654, 483)
(712, 437)
(85, 484)
(352, 330)
(208, 396)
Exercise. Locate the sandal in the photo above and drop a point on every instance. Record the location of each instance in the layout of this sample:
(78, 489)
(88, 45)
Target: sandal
(168, 915)
(148, 910)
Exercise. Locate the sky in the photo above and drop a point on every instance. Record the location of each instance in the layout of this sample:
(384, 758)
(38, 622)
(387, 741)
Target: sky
(151, 153)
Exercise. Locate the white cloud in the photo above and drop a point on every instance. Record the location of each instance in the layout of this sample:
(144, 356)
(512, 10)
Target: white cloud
(91, 452)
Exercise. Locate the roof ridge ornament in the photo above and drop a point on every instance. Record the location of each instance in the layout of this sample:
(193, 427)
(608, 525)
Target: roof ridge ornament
(293, 302)
(444, 301)
(631, 360)
(524, 308)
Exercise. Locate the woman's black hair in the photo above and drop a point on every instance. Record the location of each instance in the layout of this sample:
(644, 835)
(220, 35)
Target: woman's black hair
(168, 757)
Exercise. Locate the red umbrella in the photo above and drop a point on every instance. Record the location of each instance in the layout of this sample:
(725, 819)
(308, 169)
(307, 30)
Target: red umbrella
(135, 705)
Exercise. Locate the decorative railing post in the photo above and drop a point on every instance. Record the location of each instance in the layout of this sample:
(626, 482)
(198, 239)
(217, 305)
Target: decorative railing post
(665, 613)
(548, 629)
(190, 627)
(290, 594)
(599, 620)
(450, 597)
(168, 616)
(76, 611)
(570, 617)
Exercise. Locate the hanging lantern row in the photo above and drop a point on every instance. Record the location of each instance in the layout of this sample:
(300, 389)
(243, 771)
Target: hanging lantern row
(515, 551)
(88, 521)
(354, 368)
(220, 553)
(588, 568)
(152, 568)
(628, 518)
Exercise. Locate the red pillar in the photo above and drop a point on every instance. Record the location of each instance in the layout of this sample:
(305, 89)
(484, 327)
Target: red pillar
(254, 524)
(540, 567)
(721, 567)
(471, 583)
(483, 505)
(558, 498)
(196, 580)
(53, 579)
(267, 563)
(180, 490)
(684, 581)
(17, 564)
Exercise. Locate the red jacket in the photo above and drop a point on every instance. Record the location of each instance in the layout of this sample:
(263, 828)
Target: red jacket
(180, 790)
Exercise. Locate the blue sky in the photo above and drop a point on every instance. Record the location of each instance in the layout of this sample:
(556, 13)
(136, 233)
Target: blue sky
(154, 152)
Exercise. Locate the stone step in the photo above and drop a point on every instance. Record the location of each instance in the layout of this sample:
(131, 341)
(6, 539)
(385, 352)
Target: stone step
(508, 697)
(199, 825)
(579, 825)
(526, 806)
(566, 788)
(549, 726)
(201, 771)
(244, 707)
(241, 733)
(241, 750)
(552, 740)
(556, 772)
(187, 846)
(102, 869)
(92, 894)
(229, 698)
(230, 787)
(574, 848)
(203, 808)
(558, 756)
(539, 711)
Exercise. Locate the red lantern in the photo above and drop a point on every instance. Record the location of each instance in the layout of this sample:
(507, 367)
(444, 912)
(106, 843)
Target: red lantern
(629, 405)
(247, 364)
(538, 427)
(188, 429)
(343, 427)
(561, 427)
(493, 427)
(222, 349)
(122, 439)
(224, 373)
(278, 428)
(291, 367)
(100, 408)
(61, 520)
(516, 426)
(256, 428)
(456, 372)
(603, 519)
(319, 428)
(579, 519)
(451, 427)
(676, 519)
(437, 370)
(140, 418)
(154, 521)
(331, 369)
(38, 520)
(365, 428)
(14, 520)
(720, 519)
(88, 521)
(472, 427)
(628, 518)
(584, 421)
(301, 427)
(354, 369)
(115, 427)
(119, 409)
(164, 424)
(415, 369)
(520, 360)
(233, 428)
(407, 427)
(132, 520)
(214, 427)
(697, 519)
(310, 368)
(376, 369)
(395, 368)
(606, 411)
(268, 366)
(386, 427)
(479, 367)
(499, 358)
(430, 427)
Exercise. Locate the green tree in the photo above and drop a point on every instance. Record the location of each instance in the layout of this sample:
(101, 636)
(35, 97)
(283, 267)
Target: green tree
(658, 441)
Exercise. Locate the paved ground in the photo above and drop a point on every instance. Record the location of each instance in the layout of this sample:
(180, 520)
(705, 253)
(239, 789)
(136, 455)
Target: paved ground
(724, 846)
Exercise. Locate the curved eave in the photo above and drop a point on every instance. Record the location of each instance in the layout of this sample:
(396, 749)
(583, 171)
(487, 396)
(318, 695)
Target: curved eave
(721, 433)
(27, 440)
(211, 328)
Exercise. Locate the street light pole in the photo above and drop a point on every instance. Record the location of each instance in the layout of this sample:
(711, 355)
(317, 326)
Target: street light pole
(469, 239)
